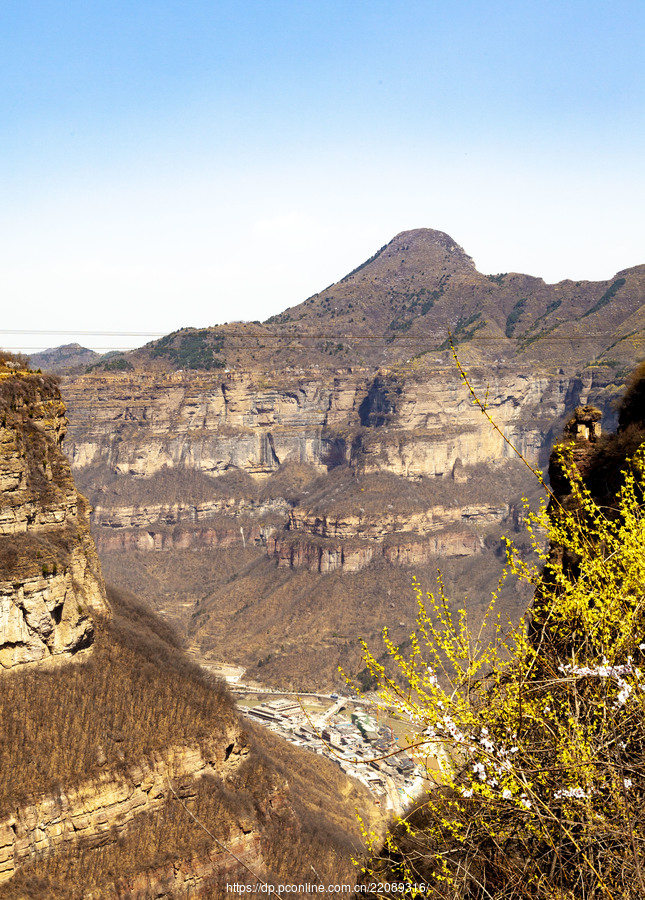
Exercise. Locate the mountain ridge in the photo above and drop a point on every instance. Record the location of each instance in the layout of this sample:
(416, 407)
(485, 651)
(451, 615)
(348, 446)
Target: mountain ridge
(400, 306)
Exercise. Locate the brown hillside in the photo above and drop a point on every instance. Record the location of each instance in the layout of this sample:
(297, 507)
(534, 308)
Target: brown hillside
(400, 304)
(126, 769)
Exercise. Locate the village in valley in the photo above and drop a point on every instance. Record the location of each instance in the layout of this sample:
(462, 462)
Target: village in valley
(351, 731)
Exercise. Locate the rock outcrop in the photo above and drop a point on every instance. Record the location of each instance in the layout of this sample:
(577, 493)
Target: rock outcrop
(50, 580)
(323, 557)
(102, 809)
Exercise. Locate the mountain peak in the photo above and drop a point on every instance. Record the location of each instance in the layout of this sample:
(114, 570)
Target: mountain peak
(435, 246)
(68, 357)
(420, 252)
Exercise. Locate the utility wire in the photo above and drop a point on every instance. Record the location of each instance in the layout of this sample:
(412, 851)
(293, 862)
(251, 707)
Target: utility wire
(210, 834)
(327, 335)
(243, 339)
(66, 331)
(324, 335)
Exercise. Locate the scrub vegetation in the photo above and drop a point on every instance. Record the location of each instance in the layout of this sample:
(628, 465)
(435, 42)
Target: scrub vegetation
(191, 349)
(136, 696)
(539, 732)
(170, 702)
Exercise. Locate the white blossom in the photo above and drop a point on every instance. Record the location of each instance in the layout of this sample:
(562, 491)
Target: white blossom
(623, 695)
(607, 671)
(576, 792)
(453, 731)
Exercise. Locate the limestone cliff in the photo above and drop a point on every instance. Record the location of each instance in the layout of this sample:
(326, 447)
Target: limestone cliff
(137, 424)
(307, 471)
(50, 580)
(415, 426)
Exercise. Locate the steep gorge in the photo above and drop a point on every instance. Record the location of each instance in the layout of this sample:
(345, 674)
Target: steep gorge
(250, 478)
(126, 770)
(291, 477)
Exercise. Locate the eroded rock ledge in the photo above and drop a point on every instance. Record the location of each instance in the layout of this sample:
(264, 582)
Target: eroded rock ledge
(98, 811)
(51, 586)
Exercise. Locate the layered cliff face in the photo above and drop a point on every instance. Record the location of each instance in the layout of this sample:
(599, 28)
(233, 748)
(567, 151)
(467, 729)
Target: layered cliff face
(80, 816)
(328, 473)
(414, 424)
(50, 580)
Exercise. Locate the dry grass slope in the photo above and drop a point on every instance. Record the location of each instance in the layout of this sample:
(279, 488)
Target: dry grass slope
(136, 695)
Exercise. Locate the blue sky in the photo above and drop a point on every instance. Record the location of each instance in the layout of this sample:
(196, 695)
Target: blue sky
(166, 164)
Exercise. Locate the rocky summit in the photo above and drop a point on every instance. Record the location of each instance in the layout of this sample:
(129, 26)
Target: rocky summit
(400, 307)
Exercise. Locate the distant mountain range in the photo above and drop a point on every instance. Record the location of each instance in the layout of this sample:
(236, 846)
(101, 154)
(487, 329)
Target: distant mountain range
(67, 358)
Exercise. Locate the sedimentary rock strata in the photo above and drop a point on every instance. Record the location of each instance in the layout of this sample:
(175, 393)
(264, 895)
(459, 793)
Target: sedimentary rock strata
(50, 582)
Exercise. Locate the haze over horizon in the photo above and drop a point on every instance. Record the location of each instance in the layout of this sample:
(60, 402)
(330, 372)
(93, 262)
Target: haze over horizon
(167, 164)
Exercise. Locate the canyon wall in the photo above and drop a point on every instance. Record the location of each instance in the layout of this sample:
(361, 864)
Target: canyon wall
(311, 472)
(417, 425)
(411, 424)
(234, 465)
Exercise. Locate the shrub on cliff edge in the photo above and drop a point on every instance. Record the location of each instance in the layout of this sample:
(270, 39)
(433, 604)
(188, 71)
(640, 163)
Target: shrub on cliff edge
(540, 732)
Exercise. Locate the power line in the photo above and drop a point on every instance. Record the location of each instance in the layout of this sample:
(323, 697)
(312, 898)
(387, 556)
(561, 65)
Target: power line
(276, 340)
(239, 340)
(23, 349)
(95, 333)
